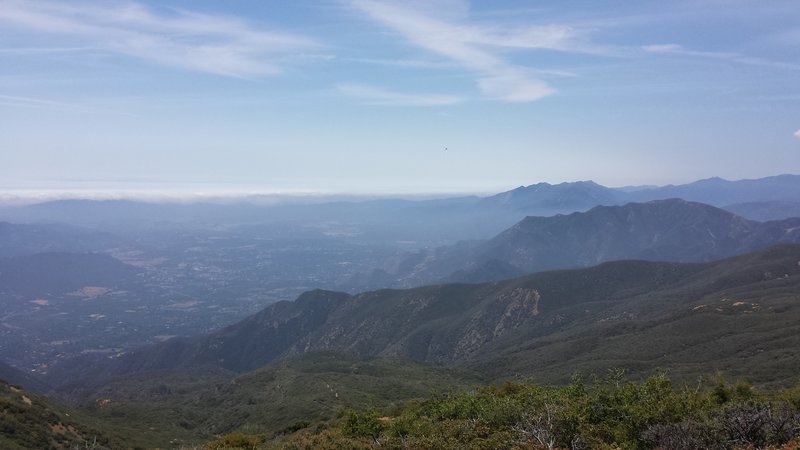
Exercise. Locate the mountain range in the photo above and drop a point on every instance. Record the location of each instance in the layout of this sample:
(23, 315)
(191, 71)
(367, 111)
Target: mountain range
(738, 315)
(544, 199)
(602, 284)
(427, 220)
(659, 230)
(720, 192)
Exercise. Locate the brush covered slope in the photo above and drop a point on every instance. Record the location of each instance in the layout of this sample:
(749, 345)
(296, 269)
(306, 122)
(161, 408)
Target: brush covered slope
(28, 421)
(14, 376)
(189, 406)
(602, 413)
(738, 315)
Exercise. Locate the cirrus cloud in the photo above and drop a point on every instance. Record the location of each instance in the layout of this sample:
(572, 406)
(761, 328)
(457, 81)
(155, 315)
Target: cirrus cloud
(474, 47)
(373, 95)
(188, 40)
(676, 49)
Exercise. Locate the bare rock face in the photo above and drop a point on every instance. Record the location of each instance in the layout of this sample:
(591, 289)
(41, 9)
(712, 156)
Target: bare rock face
(508, 311)
(523, 304)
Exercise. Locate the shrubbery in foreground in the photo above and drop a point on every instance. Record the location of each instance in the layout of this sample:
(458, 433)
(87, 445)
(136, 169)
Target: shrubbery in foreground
(601, 414)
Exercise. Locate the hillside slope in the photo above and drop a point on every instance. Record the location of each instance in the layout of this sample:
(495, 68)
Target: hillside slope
(549, 323)
(189, 406)
(29, 421)
(17, 377)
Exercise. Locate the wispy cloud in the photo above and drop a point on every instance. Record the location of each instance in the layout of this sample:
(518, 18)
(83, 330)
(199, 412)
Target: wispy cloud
(374, 95)
(31, 102)
(446, 31)
(797, 134)
(34, 50)
(28, 101)
(183, 39)
(727, 56)
(406, 63)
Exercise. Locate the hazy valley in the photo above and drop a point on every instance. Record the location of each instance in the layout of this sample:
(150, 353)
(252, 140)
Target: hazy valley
(200, 320)
(399, 225)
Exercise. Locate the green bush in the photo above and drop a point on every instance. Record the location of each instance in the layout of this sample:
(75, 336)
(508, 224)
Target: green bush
(361, 424)
(610, 413)
(235, 441)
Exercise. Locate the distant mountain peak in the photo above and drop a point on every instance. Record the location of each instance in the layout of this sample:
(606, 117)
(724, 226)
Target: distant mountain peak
(555, 198)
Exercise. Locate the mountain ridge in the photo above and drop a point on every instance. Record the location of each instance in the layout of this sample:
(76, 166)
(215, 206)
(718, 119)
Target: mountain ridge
(459, 323)
(447, 218)
(658, 230)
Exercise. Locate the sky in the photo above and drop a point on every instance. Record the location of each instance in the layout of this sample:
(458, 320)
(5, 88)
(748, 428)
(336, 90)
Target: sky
(412, 96)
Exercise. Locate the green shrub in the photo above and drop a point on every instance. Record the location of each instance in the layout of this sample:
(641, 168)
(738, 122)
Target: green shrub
(235, 441)
(361, 424)
(611, 413)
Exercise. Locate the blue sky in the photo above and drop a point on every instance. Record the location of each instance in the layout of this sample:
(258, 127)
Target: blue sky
(365, 95)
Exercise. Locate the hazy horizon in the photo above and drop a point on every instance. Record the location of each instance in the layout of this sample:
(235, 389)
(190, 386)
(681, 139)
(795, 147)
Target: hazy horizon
(198, 192)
